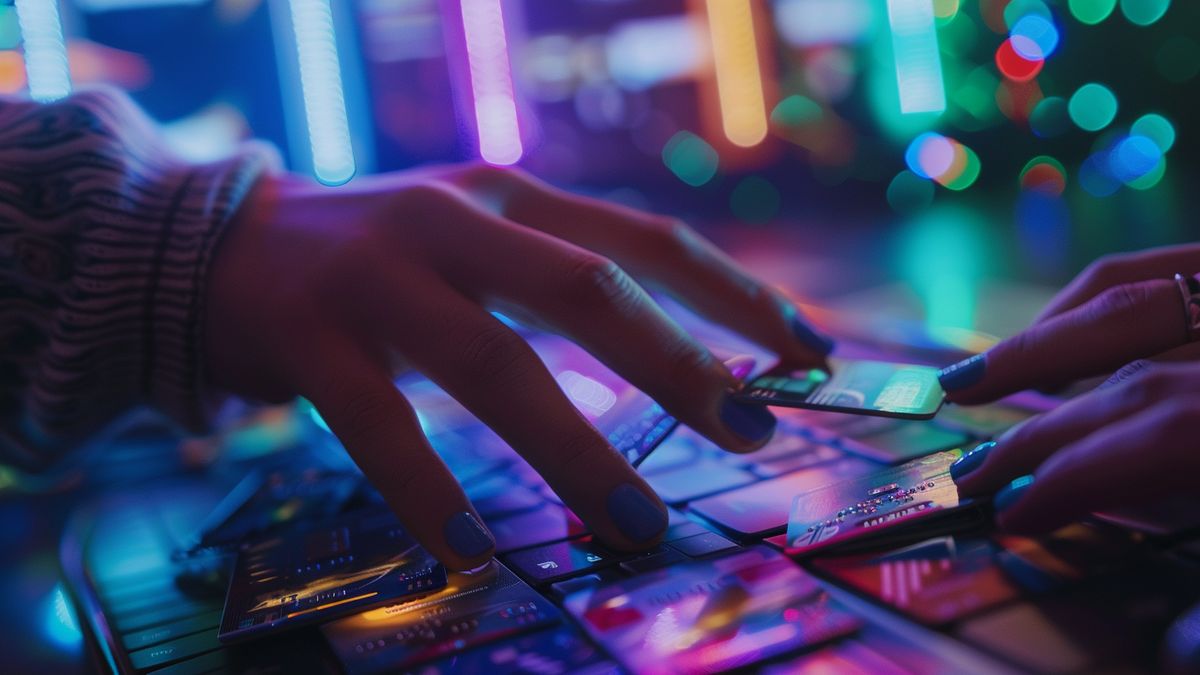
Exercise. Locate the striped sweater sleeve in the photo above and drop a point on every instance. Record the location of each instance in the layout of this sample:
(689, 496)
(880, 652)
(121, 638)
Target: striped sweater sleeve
(105, 243)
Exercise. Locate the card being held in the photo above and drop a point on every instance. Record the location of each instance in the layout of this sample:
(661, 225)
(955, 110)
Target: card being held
(859, 387)
(892, 506)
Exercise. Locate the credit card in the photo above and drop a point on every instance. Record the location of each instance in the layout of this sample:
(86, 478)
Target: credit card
(322, 571)
(889, 507)
(473, 609)
(553, 651)
(712, 615)
(264, 501)
(859, 387)
(941, 580)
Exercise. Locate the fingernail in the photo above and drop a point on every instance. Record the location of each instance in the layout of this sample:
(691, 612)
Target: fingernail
(1011, 493)
(636, 515)
(751, 422)
(971, 461)
(811, 339)
(740, 366)
(963, 374)
(467, 536)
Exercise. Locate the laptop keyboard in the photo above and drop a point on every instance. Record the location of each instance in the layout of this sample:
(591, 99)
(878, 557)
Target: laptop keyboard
(155, 599)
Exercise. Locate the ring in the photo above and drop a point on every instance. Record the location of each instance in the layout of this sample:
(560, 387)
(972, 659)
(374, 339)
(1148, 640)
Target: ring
(1189, 290)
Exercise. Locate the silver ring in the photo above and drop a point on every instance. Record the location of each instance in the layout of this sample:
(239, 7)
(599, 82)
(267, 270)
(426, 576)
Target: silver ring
(1189, 291)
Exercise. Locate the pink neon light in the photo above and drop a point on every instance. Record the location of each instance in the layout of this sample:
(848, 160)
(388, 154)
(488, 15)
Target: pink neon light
(491, 81)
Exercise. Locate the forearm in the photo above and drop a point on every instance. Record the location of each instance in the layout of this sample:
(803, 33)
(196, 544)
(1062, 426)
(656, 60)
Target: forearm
(105, 244)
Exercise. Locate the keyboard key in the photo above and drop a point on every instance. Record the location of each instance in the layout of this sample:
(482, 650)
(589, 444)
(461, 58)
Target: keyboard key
(908, 441)
(211, 662)
(564, 588)
(653, 561)
(553, 562)
(701, 545)
(819, 454)
(682, 530)
(148, 637)
(762, 508)
(705, 477)
(547, 524)
(516, 499)
(679, 450)
(175, 611)
(175, 650)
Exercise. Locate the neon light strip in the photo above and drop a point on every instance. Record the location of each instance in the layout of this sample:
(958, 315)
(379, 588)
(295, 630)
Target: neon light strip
(739, 79)
(45, 50)
(491, 82)
(321, 87)
(918, 66)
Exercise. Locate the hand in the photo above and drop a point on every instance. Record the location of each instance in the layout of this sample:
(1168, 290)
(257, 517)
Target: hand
(1129, 441)
(326, 294)
(1118, 310)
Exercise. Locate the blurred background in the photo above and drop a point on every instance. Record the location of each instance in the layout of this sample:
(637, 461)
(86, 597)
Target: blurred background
(945, 143)
(928, 171)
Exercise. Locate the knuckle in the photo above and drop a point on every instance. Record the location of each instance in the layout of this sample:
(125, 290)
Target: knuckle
(420, 199)
(670, 237)
(580, 449)
(596, 282)
(361, 414)
(1105, 267)
(1118, 301)
(688, 362)
(494, 353)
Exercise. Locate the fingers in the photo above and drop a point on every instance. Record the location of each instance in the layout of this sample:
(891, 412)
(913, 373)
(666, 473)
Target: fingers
(361, 405)
(1120, 325)
(595, 303)
(1157, 263)
(658, 251)
(1145, 456)
(498, 377)
(1024, 448)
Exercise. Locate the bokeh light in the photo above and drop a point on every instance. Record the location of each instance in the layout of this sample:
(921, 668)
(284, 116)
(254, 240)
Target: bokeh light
(1034, 37)
(1151, 178)
(1144, 12)
(1045, 175)
(929, 155)
(1050, 117)
(1016, 10)
(909, 193)
(690, 158)
(1157, 128)
(1092, 107)
(1133, 157)
(1095, 177)
(1014, 66)
(1091, 12)
(754, 200)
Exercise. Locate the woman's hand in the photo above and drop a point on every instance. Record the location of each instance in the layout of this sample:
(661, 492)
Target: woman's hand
(1118, 310)
(326, 294)
(1131, 440)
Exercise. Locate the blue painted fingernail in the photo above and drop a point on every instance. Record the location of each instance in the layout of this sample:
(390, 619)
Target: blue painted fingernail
(971, 461)
(636, 515)
(467, 536)
(751, 422)
(811, 339)
(963, 374)
(1011, 493)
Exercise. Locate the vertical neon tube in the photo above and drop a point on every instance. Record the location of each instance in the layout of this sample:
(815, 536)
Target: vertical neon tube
(918, 65)
(45, 49)
(739, 76)
(321, 89)
(491, 82)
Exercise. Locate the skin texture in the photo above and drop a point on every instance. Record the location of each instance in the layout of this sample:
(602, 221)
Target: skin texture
(328, 294)
(1130, 440)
